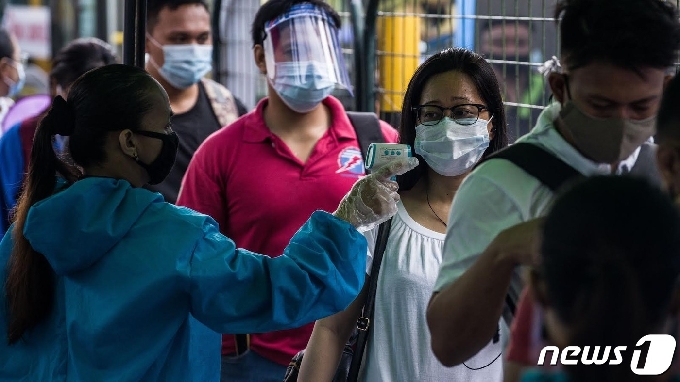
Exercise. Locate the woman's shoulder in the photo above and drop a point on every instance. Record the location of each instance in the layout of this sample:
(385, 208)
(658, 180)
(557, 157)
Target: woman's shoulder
(183, 217)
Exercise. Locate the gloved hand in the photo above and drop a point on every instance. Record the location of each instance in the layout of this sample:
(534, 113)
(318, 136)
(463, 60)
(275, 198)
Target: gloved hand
(373, 199)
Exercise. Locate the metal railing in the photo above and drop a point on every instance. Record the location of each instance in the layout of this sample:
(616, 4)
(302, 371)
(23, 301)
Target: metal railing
(385, 40)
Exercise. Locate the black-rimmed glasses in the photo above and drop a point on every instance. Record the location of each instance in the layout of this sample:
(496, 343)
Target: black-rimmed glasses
(466, 114)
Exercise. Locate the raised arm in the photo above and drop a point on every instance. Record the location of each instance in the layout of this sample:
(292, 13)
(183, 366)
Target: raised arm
(320, 273)
(477, 271)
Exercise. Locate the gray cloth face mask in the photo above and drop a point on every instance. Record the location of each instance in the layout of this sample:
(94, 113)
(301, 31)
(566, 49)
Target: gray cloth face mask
(605, 140)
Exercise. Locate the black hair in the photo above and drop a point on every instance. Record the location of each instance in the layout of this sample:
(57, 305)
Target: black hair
(6, 46)
(482, 75)
(275, 8)
(668, 117)
(79, 57)
(631, 34)
(154, 8)
(611, 258)
(107, 99)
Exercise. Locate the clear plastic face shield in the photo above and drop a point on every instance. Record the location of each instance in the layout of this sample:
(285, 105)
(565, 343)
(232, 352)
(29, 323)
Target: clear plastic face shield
(302, 49)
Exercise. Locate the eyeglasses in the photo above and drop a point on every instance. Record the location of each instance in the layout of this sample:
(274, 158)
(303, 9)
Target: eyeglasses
(466, 114)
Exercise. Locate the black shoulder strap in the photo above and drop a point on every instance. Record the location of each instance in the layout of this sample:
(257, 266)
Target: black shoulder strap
(367, 127)
(547, 169)
(364, 322)
(537, 162)
(645, 165)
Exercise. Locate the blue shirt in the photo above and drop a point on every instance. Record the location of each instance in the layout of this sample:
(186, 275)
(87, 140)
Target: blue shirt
(131, 271)
(12, 165)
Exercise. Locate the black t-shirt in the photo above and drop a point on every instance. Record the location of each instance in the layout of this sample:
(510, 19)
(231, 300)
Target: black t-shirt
(192, 128)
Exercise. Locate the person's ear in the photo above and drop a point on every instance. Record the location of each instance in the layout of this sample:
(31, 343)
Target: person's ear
(6, 66)
(128, 143)
(667, 80)
(491, 129)
(260, 61)
(557, 86)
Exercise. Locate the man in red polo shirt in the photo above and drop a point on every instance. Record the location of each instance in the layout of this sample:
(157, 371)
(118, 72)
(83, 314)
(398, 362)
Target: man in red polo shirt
(297, 152)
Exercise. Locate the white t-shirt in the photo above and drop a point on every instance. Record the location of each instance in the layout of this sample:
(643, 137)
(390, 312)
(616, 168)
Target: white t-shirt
(498, 195)
(399, 346)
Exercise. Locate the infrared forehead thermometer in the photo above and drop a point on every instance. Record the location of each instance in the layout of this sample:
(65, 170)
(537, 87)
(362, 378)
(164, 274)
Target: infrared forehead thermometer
(380, 154)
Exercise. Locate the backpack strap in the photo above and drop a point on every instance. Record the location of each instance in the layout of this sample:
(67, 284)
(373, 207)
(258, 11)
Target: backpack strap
(222, 102)
(367, 127)
(537, 162)
(547, 169)
(645, 165)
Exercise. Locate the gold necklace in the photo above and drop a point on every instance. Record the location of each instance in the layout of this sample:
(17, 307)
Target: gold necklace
(427, 196)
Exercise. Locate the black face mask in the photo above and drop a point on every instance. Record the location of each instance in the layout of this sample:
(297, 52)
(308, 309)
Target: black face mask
(159, 169)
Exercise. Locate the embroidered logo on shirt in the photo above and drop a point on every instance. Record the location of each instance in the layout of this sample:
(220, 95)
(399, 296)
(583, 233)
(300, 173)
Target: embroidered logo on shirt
(350, 162)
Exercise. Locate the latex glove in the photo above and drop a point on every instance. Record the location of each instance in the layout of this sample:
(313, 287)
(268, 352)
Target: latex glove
(373, 199)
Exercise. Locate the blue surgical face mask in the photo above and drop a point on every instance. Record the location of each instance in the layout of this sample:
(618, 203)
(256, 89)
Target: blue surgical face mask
(184, 65)
(451, 148)
(302, 86)
(15, 87)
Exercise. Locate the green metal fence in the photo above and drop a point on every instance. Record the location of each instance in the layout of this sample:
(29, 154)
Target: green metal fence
(385, 40)
(515, 36)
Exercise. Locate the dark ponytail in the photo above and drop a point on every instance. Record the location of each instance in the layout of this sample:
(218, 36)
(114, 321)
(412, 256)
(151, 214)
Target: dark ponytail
(29, 284)
(104, 100)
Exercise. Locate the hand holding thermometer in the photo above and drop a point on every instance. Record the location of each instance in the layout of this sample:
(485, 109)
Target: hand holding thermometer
(380, 154)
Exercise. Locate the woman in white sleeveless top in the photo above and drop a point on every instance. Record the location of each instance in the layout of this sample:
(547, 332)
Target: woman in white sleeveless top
(453, 117)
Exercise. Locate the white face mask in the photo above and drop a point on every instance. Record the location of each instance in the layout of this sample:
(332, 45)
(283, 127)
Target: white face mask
(450, 148)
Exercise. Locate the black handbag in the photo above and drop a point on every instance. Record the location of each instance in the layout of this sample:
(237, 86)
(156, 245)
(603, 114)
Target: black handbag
(352, 354)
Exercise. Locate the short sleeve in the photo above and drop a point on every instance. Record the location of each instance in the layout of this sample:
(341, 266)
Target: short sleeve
(390, 134)
(200, 189)
(481, 210)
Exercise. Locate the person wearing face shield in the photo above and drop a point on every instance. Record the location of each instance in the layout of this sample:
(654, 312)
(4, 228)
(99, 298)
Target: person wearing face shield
(295, 153)
(11, 71)
(103, 280)
(453, 116)
(607, 90)
(179, 54)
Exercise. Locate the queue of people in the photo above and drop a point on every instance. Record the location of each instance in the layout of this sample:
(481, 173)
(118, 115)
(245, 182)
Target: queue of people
(175, 236)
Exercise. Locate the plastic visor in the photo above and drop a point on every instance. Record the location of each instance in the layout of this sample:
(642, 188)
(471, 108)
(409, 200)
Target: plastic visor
(307, 37)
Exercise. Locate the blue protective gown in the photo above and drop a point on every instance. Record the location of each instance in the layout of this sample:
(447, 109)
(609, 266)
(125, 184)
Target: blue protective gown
(131, 271)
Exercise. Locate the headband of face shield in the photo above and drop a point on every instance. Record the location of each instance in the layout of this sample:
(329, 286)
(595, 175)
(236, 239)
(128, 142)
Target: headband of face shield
(303, 57)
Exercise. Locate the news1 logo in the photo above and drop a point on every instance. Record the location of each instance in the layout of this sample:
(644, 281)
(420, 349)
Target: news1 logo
(652, 355)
